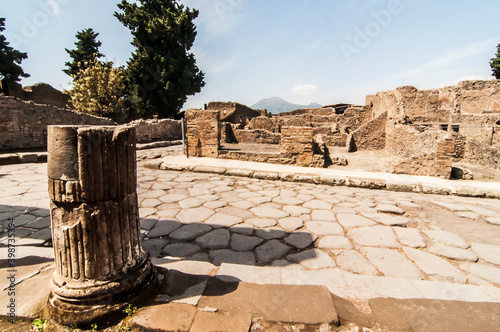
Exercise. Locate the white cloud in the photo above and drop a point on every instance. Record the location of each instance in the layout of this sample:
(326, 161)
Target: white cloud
(451, 58)
(304, 90)
(218, 16)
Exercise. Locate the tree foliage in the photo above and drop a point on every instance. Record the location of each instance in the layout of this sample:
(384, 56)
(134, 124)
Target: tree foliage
(161, 72)
(98, 89)
(495, 64)
(87, 49)
(10, 59)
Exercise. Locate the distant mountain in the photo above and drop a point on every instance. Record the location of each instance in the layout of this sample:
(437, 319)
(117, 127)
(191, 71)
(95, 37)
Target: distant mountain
(278, 105)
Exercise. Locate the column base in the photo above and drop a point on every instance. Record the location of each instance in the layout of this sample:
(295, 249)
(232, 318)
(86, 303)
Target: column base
(87, 309)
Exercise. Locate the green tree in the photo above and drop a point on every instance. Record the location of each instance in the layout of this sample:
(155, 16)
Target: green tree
(10, 59)
(87, 49)
(495, 64)
(161, 72)
(98, 89)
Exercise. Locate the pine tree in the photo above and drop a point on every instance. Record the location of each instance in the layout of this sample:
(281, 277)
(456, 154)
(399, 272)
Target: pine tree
(87, 49)
(161, 72)
(98, 89)
(495, 64)
(10, 59)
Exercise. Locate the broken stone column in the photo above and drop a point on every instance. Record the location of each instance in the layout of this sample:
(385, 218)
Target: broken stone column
(101, 265)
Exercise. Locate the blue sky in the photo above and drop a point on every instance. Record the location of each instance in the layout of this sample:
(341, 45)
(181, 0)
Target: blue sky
(324, 51)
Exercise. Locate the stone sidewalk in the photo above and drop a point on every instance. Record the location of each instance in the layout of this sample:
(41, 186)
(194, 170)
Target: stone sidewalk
(359, 244)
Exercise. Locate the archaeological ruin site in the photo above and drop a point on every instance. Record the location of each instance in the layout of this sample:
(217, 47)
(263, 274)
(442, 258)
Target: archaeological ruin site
(375, 217)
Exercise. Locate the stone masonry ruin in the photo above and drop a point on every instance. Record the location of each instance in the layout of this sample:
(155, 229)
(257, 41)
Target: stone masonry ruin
(426, 130)
(101, 265)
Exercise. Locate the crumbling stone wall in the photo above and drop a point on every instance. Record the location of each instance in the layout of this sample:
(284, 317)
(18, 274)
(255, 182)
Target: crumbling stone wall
(203, 132)
(297, 145)
(371, 136)
(24, 124)
(264, 123)
(157, 130)
(234, 112)
(40, 93)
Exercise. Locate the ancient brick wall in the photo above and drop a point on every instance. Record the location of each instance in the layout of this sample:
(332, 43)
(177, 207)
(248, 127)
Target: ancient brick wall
(256, 136)
(157, 130)
(297, 144)
(234, 112)
(264, 123)
(40, 93)
(203, 132)
(371, 136)
(24, 124)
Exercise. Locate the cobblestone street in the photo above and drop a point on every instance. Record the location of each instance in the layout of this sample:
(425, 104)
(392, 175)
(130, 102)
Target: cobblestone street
(244, 222)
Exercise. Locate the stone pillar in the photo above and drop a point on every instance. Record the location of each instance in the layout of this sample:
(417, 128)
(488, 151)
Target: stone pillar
(101, 265)
(203, 133)
(297, 144)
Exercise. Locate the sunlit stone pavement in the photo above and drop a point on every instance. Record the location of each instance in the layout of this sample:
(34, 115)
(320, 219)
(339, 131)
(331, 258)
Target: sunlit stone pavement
(364, 241)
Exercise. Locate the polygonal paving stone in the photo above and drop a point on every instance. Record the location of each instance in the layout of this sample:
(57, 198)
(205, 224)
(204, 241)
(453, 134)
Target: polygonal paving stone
(386, 208)
(375, 236)
(287, 200)
(262, 222)
(493, 220)
(260, 199)
(215, 204)
(146, 212)
(163, 227)
(312, 259)
(20, 220)
(243, 204)
(447, 238)
(244, 228)
(450, 206)
(435, 267)
(291, 223)
(492, 274)
(217, 239)
(180, 249)
(270, 233)
(228, 256)
(223, 220)
(190, 232)
(318, 205)
(487, 252)
(237, 212)
(410, 237)
(468, 215)
(167, 212)
(482, 211)
(408, 205)
(334, 242)
(154, 246)
(172, 198)
(191, 202)
(301, 240)
(40, 223)
(392, 264)
(323, 215)
(152, 194)
(271, 251)
(244, 243)
(296, 211)
(268, 212)
(388, 220)
(453, 252)
(349, 221)
(195, 215)
(353, 261)
(324, 228)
